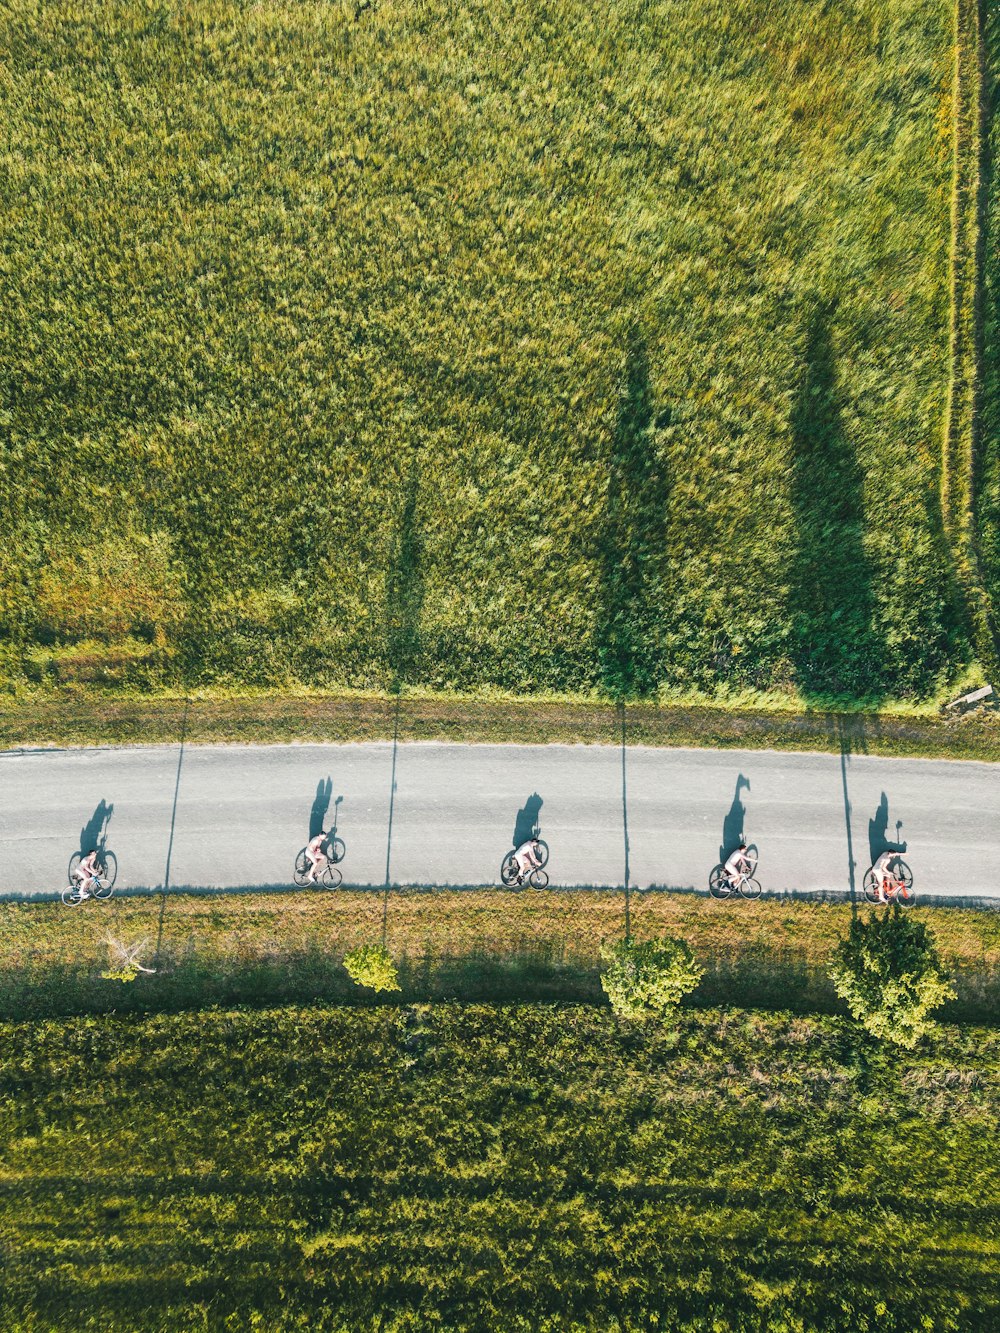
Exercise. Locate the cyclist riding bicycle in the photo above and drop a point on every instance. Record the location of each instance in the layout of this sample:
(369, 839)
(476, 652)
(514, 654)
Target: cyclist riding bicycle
(86, 872)
(527, 857)
(316, 855)
(737, 865)
(884, 877)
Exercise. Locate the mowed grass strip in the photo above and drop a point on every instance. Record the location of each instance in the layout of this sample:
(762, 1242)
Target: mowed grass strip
(522, 346)
(476, 1167)
(482, 943)
(102, 719)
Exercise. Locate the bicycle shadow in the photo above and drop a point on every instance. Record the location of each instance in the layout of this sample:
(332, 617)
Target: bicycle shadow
(878, 828)
(732, 825)
(526, 824)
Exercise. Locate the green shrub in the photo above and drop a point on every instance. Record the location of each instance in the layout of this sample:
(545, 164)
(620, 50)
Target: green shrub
(649, 979)
(370, 965)
(890, 974)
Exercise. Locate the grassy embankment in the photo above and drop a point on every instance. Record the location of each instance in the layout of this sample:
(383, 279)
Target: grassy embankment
(72, 719)
(551, 351)
(987, 439)
(485, 1168)
(484, 945)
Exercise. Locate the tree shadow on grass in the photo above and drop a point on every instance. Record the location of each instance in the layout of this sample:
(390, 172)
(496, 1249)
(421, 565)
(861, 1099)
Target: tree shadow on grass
(404, 590)
(834, 646)
(632, 544)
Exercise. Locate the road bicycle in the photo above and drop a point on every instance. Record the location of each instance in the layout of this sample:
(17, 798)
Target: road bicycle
(720, 885)
(328, 875)
(899, 889)
(99, 886)
(510, 871)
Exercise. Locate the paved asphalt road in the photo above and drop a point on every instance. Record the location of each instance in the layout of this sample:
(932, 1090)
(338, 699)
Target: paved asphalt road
(242, 813)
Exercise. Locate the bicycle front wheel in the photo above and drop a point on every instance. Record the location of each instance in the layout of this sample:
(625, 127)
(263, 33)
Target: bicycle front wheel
(903, 873)
(107, 873)
(330, 877)
(750, 888)
(301, 871)
(539, 879)
(906, 897)
(718, 883)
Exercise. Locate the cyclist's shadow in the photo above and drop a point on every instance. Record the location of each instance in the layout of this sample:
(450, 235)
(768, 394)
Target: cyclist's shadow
(732, 825)
(878, 827)
(94, 833)
(320, 806)
(526, 824)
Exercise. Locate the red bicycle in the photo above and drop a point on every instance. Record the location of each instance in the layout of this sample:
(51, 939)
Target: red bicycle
(898, 886)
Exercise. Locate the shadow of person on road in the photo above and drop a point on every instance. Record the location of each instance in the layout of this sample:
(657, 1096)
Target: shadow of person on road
(878, 827)
(320, 805)
(526, 824)
(94, 833)
(732, 825)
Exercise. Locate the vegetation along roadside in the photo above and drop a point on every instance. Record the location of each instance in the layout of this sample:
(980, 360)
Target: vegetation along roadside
(269, 718)
(475, 944)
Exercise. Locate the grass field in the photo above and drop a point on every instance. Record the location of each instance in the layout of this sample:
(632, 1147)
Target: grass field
(638, 319)
(471, 945)
(495, 1168)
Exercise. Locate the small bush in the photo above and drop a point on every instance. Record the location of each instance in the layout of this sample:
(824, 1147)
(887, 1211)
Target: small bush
(370, 965)
(128, 972)
(890, 974)
(649, 979)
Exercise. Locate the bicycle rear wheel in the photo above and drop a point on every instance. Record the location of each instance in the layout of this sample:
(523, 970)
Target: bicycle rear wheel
(871, 886)
(72, 898)
(301, 871)
(750, 888)
(330, 877)
(510, 874)
(718, 883)
(539, 879)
